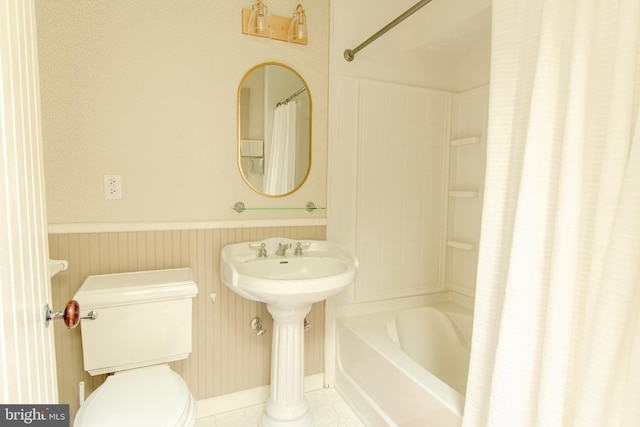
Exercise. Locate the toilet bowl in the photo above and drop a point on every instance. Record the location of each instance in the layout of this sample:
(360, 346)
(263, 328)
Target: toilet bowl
(154, 396)
(143, 322)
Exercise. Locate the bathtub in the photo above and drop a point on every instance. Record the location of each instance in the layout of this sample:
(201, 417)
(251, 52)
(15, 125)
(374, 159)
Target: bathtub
(406, 367)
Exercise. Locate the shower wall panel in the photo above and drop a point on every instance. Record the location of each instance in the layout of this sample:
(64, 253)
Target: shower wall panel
(402, 135)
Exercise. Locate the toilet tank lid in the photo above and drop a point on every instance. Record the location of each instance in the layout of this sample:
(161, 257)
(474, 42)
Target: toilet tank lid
(110, 290)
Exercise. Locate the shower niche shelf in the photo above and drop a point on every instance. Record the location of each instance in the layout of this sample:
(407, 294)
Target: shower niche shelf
(465, 141)
(465, 189)
(458, 244)
(463, 194)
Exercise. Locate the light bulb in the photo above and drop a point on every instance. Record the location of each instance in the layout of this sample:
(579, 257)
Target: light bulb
(260, 22)
(298, 28)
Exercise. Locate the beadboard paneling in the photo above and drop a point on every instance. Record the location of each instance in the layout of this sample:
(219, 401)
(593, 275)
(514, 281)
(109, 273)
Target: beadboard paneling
(227, 355)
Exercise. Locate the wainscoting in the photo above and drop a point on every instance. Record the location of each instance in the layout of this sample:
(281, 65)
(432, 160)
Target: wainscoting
(227, 355)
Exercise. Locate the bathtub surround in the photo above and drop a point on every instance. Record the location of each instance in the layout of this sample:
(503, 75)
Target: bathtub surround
(399, 188)
(556, 337)
(411, 210)
(467, 157)
(401, 156)
(406, 166)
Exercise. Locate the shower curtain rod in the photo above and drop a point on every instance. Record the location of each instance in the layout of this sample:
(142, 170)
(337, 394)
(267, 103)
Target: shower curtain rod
(298, 92)
(349, 54)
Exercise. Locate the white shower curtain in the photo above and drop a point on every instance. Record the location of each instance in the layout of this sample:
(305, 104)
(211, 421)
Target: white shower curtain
(557, 321)
(281, 159)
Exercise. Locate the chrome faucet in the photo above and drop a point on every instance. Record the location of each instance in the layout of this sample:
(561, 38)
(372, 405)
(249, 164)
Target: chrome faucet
(282, 249)
(262, 253)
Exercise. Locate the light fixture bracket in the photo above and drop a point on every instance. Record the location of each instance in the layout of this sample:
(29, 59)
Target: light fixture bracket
(280, 27)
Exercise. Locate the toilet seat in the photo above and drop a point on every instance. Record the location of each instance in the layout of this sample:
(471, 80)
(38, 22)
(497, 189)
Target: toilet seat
(154, 396)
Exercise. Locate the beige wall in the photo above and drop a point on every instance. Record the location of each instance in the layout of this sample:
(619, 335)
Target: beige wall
(147, 90)
(227, 355)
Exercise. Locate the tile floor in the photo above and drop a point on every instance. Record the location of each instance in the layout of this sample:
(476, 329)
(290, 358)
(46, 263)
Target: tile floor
(327, 406)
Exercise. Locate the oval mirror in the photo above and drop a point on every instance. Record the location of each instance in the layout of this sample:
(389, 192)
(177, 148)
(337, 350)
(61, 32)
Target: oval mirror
(274, 129)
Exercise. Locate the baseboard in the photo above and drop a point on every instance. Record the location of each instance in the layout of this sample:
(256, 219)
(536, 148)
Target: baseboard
(242, 399)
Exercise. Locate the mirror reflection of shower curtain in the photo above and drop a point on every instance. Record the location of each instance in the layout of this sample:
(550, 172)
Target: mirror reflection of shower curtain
(281, 160)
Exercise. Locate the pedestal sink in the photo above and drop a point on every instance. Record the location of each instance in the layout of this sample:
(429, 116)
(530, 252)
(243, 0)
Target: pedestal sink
(288, 275)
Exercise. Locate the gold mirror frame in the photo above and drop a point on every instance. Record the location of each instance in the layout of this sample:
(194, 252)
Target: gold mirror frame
(252, 151)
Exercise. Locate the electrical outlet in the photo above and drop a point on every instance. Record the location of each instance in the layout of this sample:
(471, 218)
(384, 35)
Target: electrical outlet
(112, 187)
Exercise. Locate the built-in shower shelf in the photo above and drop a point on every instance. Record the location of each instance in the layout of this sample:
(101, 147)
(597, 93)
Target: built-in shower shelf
(463, 194)
(465, 246)
(465, 141)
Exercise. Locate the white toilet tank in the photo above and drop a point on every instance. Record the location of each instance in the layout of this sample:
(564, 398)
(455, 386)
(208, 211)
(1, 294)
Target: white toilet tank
(144, 318)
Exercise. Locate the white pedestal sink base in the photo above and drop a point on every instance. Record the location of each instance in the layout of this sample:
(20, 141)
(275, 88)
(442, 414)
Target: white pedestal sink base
(287, 406)
(288, 283)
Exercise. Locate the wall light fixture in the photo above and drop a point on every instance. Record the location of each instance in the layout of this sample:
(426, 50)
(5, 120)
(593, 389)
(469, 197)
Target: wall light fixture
(260, 21)
(257, 21)
(298, 27)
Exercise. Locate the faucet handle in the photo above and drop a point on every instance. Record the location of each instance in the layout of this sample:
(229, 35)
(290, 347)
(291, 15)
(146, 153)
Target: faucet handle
(298, 251)
(262, 252)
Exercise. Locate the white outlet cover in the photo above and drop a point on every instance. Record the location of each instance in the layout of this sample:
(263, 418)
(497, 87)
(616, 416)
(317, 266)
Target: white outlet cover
(112, 187)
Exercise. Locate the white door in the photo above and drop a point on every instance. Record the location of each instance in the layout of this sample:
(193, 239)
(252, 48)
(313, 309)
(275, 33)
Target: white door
(27, 357)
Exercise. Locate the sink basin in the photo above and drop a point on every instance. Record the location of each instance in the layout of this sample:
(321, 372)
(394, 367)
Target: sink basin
(323, 270)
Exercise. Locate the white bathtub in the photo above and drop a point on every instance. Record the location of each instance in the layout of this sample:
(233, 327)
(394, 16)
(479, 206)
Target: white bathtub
(406, 368)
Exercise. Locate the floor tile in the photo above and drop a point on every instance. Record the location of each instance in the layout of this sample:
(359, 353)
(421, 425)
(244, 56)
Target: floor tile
(326, 405)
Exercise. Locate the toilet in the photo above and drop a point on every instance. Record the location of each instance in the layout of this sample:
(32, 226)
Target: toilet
(143, 322)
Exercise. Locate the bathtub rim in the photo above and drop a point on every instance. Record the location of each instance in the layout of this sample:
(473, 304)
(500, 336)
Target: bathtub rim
(371, 329)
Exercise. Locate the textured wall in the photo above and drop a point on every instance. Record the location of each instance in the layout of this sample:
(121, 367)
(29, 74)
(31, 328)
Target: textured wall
(147, 89)
(227, 355)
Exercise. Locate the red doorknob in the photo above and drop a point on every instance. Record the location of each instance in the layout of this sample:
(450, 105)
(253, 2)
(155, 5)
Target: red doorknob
(70, 315)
